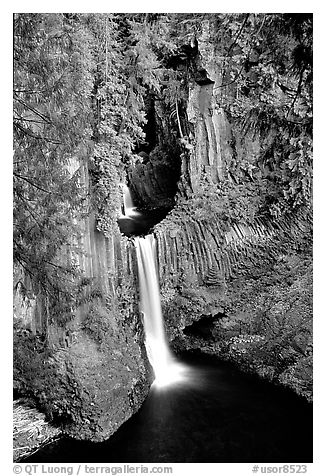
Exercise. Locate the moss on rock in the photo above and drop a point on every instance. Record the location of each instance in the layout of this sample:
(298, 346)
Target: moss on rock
(91, 385)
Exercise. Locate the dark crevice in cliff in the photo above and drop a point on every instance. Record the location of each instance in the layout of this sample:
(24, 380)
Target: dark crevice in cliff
(155, 173)
(204, 327)
(149, 129)
(153, 180)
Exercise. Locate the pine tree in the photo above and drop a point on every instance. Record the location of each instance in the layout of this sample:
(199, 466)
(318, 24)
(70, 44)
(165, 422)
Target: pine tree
(52, 112)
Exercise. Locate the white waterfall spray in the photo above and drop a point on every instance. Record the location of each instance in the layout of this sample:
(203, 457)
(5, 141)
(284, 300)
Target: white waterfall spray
(128, 204)
(165, 367)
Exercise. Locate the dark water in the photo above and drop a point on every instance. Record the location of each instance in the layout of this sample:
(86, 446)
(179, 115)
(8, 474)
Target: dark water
(143, 222)
(219, 415)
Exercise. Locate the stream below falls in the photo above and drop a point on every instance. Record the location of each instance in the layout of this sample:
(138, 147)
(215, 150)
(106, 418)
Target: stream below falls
(216, 414)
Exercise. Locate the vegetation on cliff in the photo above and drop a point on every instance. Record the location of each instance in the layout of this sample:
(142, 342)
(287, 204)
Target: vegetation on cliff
(80, 88)
(265, 90)
(262, 322)
(272, 73)
(80, 82)
(31, 429)
(101, 99)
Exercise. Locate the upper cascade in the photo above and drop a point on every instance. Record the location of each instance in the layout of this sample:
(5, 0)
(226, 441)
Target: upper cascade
(129, 209)
(132, 221)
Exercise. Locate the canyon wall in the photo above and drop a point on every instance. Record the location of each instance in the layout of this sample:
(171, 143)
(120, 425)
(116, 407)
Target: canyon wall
(242, 288)
(239, 289)
(89, 373)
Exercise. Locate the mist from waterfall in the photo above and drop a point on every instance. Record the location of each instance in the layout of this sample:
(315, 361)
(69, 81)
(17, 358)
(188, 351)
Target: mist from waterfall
(166, 369)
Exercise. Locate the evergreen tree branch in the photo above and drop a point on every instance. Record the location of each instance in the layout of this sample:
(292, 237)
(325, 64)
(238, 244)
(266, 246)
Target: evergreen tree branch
(38, 113)
(27, 132)
(31, 183)
(298, 91)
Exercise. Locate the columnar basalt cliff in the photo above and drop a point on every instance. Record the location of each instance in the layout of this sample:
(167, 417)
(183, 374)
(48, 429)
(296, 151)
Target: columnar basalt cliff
(90, 372)
(250, 284)
(247, 279)
(209, 129)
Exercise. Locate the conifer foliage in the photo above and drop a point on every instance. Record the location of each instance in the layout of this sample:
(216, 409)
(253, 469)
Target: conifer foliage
(53, 79)
(267, 91)
(81, 82)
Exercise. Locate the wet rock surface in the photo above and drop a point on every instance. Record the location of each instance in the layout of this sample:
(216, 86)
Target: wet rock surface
(88, 390)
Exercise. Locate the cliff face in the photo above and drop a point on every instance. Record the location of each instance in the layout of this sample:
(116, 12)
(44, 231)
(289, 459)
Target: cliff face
(234, 284)
(212, 149)
(239, 288)
(89, 373)
(154, 175)
(244, 295)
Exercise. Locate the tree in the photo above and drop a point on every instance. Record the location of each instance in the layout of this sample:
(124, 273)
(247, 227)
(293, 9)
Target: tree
(128, 69)
(52, 111)
(268, 66)
(81, 85)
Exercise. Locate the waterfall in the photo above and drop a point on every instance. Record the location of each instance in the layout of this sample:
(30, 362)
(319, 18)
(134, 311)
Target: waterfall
(166, 369)
(128, 204)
